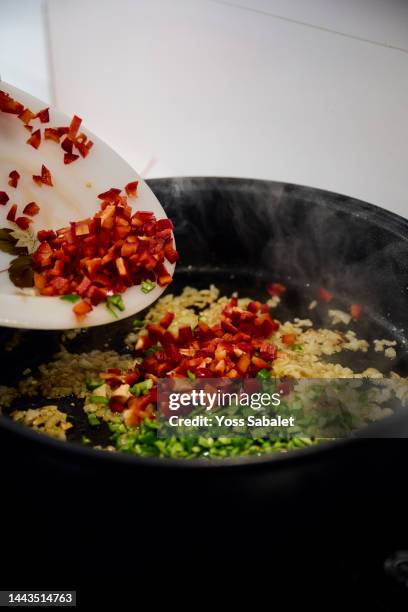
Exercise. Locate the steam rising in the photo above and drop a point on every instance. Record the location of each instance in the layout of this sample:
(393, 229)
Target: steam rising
(295, 234)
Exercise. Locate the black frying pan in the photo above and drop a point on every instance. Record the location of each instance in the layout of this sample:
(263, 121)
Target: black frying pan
(241, 234)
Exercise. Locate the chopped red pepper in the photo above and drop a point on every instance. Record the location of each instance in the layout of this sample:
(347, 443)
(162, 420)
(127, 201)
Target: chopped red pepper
(13, 178)
(82, 308)
(94, 257)
(105, 254)
(84, 148)
(164, 224)
(3, 198)
(67, 145)
(167, 319)
(43, 256)
(26, 116)
(259, 363)
(8, 105)
(11, 215)
(39, 281)
(163, 277)
(356, 310)
(289, 339)
(70, 157)
(74, 126)
(325, 295)
(81, 142)
(31, 209)
(43, 115)
(170, 252)
(110, 195)
(267, 351)
(23, 222)
(35, 139)
(254, 306)
(243, 363)
(46, 176)
(131, 189)
(276, 289)
(52, 134)
(44, 235)
(205, 352)
(115, 405)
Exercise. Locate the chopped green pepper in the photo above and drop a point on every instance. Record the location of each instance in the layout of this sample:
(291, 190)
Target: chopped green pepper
(147, 286)
(143, 441)
(98, 399)
(141, 388)
(70, 297)
(138, 323)
(263, 374)
(115, 301)
(93, 419)
(93, 384)
(191, 375)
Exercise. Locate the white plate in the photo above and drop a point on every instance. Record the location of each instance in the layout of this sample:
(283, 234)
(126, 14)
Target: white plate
(73, 197)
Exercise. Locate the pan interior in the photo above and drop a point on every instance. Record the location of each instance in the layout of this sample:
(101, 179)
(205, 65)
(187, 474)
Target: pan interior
(241, 235)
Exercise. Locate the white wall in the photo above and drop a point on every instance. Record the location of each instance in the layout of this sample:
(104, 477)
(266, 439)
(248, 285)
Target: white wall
(308, 91)
(211, 89)
(23, 57)
(381, 21)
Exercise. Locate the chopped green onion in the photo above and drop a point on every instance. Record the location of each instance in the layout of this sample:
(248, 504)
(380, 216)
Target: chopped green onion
(98, 399)
(85, 439)
(113, 313)
(138, 323)
(143, 441)
(147, 286)
(191, 375)
(115, 301)
(117, 427)
(26, 371)
(93, 419)
(263, 374)
(297, 347)
(70, 297)
(141, 388)
(93, 384)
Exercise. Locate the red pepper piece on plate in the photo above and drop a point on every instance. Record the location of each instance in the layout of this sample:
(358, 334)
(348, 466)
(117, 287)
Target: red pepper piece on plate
(23, 222)
(13, 178)
(131, 189)
(43, 115)
(3, 198)
(31, 209)
(69, 158)
(35, 139)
